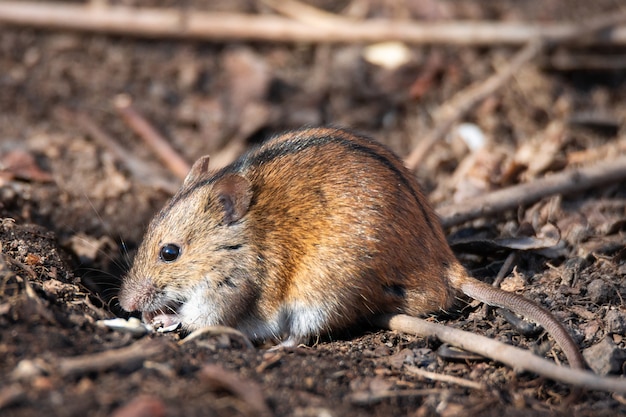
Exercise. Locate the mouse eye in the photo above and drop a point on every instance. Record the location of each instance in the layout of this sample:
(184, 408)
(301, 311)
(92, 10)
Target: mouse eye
(169, 252)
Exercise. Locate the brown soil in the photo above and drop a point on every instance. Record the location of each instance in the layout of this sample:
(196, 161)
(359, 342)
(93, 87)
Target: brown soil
(71, 214)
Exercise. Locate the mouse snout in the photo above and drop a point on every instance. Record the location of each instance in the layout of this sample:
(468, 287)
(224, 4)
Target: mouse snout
(136, 295)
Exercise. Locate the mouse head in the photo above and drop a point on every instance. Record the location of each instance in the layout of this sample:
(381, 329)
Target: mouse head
(192, 266)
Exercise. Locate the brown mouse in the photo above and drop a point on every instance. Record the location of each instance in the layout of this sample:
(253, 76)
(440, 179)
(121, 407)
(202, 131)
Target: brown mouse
(311, 232)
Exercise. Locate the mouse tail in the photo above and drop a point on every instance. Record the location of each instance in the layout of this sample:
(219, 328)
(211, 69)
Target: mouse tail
(516, 303)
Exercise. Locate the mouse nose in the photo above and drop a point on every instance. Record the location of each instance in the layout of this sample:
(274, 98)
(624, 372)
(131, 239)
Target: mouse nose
(136, 294)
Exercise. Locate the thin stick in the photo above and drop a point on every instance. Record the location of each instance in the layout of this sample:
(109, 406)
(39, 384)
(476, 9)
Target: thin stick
(566, 182)
(129, 355)
(172, 159)
(506, 267)
(101, 137)
(186, 24)
(444, 378)
(217, 330)
(568, 61)
(123, 357)
(519, 359)
(369, 397)
(139, 169)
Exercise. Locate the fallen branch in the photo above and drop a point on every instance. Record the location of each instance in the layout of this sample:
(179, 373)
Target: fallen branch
(523, 360)
(191, 24)
(566, 182)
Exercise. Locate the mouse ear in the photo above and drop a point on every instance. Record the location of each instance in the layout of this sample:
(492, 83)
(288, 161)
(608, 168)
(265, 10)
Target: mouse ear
(199, 169)
(234, 193)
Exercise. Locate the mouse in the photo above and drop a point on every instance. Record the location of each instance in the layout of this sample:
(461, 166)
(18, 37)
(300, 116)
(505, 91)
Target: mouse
(309, 233)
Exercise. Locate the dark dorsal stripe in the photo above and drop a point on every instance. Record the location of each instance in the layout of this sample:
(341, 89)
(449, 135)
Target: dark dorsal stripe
(297, 144)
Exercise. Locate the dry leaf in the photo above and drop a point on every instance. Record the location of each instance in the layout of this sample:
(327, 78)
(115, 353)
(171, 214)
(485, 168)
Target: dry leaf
(22, 165)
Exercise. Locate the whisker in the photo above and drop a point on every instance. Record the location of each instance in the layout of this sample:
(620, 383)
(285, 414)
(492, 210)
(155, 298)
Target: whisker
(98, 271)
(125, 254)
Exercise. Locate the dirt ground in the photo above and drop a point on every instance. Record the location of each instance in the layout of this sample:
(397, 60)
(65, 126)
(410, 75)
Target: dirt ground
(72, 213)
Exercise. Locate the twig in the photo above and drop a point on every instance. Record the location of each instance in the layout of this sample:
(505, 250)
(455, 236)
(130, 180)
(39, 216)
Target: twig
(217, 330)
(28, 369)
(566, 182)
(568, 61)
(174, 162)
(369, 398)
(506, 267)
(137, 167)
(186, 24)
(519, 359)
(451, 112)
(126, 356)
(444, 378)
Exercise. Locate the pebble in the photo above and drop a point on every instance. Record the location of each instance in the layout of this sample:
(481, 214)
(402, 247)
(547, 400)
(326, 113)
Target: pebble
(616, 322)
(605, 357)
(598, 291)
(405, 356)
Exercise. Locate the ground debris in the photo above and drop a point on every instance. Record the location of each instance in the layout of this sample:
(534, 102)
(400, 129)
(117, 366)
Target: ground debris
(73, 217)
(605, 357)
